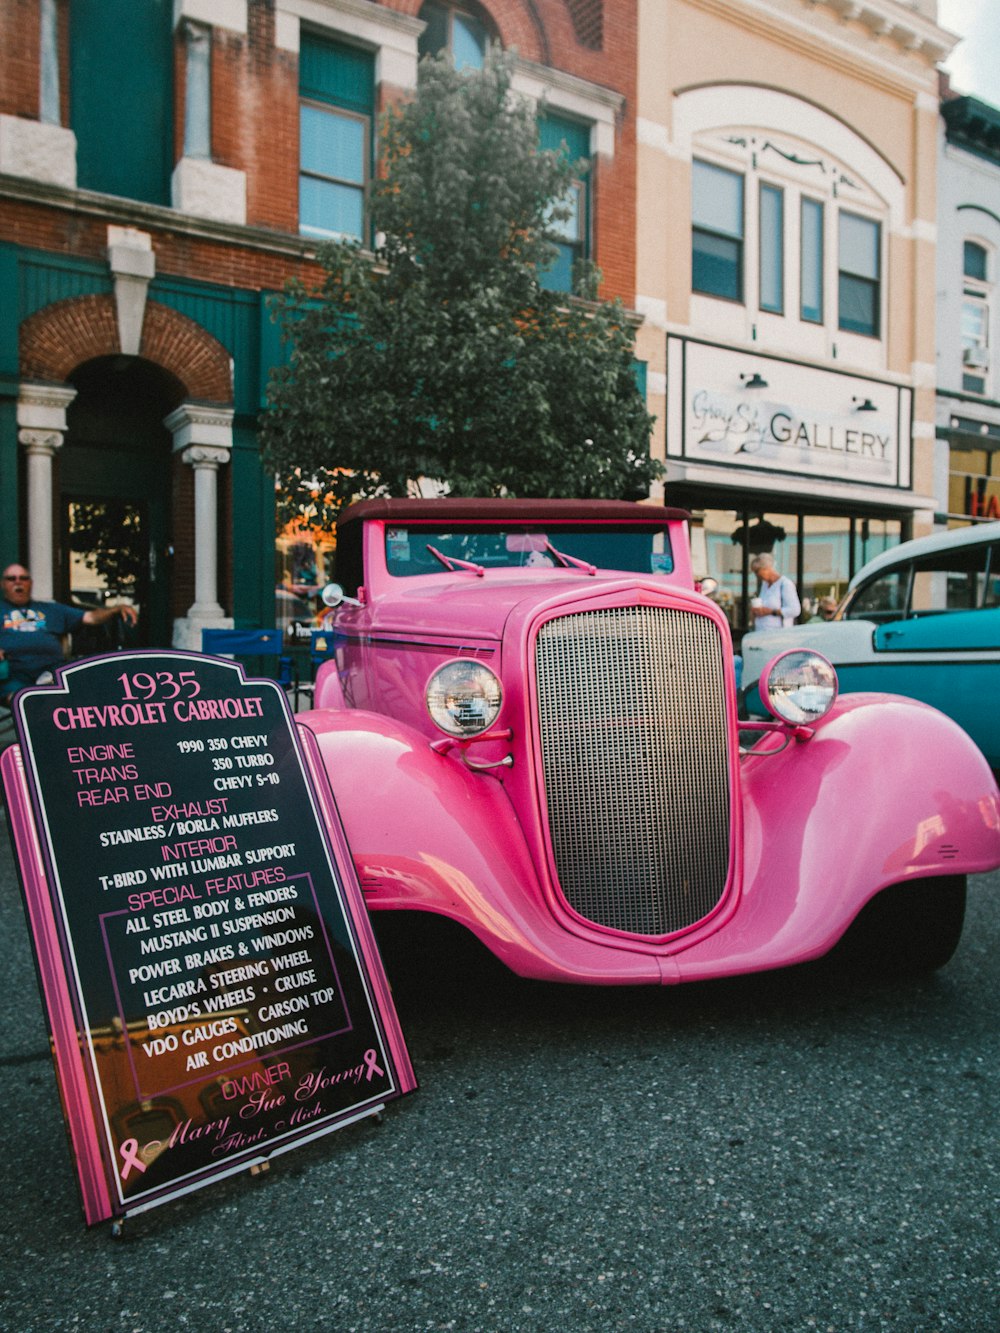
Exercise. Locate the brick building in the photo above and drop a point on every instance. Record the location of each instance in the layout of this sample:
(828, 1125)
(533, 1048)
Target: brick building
(167, 165)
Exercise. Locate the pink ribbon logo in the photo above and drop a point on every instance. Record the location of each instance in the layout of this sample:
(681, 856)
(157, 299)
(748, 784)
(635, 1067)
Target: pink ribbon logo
(371, 1060)
(130, 1152)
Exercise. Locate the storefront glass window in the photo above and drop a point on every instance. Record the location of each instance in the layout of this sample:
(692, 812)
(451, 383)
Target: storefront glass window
(872, 536)
(814, 550)
(826, 559)
(714, 556)
(303, 565)
(974, 485)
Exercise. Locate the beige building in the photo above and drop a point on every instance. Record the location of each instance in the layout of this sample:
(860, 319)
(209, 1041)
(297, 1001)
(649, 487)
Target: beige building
(785, 273)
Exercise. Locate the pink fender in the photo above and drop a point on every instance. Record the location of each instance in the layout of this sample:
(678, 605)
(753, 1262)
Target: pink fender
(429, 835)
(328, 691)
(810, 862)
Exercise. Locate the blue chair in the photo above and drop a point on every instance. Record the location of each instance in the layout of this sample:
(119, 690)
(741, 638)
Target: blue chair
(260, 644)
(322, 645)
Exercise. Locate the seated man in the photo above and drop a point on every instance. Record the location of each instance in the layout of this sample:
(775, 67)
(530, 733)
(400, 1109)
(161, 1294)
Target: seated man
(30, 632)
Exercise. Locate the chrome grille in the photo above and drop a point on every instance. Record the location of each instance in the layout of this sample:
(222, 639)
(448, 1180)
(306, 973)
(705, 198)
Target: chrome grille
(634, 752)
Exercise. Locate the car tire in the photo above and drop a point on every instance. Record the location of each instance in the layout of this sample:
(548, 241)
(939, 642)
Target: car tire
(908, 928)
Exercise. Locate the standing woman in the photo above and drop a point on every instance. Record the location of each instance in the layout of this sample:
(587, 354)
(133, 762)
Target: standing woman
(777, 605)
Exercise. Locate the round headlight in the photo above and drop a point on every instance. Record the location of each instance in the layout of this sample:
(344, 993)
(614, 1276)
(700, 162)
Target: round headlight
(464, 698)
(798, 687)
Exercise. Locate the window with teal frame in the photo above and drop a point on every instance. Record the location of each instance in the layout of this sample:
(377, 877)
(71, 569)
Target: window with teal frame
(772, 249)
(571, 235)
(859, 275)
(121, 97)
(455, 30)
(717, 231)
(337, 102)
(811, 273)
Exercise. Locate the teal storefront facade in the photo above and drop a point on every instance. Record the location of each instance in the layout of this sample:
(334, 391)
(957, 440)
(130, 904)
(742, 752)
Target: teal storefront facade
(113, 457)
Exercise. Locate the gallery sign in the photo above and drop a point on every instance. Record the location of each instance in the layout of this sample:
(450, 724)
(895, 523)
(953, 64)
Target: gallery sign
(213, 989)
(777, 416)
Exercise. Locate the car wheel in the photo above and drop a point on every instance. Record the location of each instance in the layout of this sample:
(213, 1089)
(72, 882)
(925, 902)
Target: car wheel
(908, 928)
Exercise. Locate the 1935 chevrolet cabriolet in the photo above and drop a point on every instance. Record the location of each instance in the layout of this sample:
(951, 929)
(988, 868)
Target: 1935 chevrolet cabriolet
(529, 722)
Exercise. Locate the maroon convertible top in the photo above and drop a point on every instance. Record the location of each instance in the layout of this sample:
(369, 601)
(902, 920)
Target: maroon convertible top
(493, 510)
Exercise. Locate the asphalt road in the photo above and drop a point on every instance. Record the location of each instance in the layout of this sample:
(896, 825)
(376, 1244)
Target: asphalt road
(798, 1150)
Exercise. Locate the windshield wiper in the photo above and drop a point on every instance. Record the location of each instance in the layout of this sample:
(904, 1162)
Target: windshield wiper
(570, 559)
(453, 562)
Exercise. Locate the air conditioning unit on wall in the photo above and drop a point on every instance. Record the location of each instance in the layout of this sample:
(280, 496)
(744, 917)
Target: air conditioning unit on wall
(977, 358)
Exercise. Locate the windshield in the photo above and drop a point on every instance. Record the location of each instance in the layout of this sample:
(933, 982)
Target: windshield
(635, 548)
(962, 578)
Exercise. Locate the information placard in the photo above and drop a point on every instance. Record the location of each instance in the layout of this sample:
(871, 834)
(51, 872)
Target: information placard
(212, 984)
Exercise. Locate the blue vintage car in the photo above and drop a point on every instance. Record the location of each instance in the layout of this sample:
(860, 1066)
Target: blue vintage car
(922, 619)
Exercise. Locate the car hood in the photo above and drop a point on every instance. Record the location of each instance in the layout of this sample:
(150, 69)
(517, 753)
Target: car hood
(477, 609)
(839, 641)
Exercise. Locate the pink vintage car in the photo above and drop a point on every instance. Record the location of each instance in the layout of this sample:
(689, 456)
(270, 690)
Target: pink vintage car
(529, 723)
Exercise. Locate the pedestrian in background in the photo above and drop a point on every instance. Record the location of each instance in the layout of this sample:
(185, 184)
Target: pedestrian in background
(826, 609)
(777, 604)
(31, 632)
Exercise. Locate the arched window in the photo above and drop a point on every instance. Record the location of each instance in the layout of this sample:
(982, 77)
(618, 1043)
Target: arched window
(976, 292)
(728, 207)
(791, 214)
(457, 30)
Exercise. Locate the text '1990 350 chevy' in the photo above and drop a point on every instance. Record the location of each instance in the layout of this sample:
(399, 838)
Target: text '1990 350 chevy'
(529, 721)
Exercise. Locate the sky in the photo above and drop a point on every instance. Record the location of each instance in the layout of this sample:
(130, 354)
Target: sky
(974, 65)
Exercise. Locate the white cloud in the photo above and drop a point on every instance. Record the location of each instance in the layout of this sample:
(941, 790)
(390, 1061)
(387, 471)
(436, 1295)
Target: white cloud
(975, 62)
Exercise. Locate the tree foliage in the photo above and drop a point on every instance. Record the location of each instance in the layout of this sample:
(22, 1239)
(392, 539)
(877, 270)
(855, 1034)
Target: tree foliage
(105, 533)
(444, 358)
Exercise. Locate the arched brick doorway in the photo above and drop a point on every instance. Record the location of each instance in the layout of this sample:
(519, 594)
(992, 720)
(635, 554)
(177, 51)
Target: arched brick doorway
(110, 477)
(114, 496)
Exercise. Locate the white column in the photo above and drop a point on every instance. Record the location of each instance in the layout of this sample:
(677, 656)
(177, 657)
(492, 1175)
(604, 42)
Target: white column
(203, 436)
(206, 462)
(41, 420)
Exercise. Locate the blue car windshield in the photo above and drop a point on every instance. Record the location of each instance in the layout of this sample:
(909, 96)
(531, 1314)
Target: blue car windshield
(635, 548)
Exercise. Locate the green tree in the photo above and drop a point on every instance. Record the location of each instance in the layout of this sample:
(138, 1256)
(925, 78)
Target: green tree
(445, 358)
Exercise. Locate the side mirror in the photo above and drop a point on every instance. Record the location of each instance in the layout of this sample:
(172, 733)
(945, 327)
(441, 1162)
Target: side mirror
(707, 586)
(333, 596)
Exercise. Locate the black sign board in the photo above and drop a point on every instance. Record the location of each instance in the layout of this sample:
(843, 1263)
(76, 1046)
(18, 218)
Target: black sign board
(212, 984)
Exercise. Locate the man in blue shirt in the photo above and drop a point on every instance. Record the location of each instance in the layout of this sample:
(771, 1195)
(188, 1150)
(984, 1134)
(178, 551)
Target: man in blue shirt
(31, 632)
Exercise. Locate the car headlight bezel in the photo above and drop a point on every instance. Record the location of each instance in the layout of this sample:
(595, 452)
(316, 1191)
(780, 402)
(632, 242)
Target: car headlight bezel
(463, 697)
(799, 687)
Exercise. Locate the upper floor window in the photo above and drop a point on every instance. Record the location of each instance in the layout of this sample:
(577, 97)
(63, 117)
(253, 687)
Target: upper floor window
(772, 249)
(975, 318)
(571, 234)
(779, 238)
(859, 275)
(456, 30)
(811, 262)
(121, 73)
(974, 261)
(337, 96)
(717, 231)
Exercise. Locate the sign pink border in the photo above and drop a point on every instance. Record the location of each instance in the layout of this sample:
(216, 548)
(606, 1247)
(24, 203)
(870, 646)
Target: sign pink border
(76, 1075)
